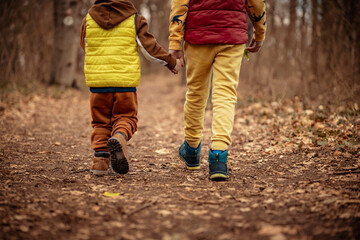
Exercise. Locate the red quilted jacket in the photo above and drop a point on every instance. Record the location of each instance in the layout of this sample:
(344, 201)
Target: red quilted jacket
(216, 22)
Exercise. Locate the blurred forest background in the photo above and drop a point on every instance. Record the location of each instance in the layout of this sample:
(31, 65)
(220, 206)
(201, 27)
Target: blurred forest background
(312, 47)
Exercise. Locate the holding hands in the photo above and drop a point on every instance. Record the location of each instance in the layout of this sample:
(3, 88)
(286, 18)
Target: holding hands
(177, 67)
(178, 54)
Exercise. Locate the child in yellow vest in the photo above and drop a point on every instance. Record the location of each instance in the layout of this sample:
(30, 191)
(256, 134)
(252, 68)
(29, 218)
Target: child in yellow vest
(111, 33)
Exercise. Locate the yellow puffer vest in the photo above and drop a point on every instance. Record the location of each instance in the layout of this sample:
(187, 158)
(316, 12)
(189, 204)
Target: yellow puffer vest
(111, 56)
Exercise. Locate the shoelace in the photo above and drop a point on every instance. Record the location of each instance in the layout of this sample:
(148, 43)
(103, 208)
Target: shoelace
(217, 159)
(230, 165)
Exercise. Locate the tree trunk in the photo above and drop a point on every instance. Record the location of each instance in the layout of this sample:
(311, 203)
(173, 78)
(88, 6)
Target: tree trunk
(354, 33)
(314, 47)
(271, 17)
(357, 40)
(66, 43)
(291, 37)
(302, 63)
(303, 26)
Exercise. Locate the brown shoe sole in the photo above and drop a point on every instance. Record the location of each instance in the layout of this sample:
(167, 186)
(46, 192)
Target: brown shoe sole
(119, 162)
(99, 172)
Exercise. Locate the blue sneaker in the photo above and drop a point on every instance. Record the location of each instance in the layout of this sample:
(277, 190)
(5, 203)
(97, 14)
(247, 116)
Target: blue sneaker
(190, 156)
(217, 165)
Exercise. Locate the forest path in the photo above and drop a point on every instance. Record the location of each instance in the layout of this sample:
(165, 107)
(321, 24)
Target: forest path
(282, 185)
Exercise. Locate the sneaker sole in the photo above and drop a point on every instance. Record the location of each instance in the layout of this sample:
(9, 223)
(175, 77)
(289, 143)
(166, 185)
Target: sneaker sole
(219, 176)
(188, 167)
(119, 162)
(99, 172)
(193, 168)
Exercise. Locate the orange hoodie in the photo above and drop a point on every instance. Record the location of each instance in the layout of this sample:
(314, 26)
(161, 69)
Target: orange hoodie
(109, 13)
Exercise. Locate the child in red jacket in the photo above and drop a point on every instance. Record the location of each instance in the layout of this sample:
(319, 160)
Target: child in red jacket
(215, 34)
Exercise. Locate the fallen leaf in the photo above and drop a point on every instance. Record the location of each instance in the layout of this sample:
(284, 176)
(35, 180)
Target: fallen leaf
(95, 208)
(162, 151)
(309, 112)
(245, 209)
(216, 215)
(76, 192)
(225, 236)
(323, 143)
(199, 212)
(164, 213)
(189, 179)
(278, 237)
(268, 229)
(20, 217)
(110, 194)
(320, 125)
(24, 228)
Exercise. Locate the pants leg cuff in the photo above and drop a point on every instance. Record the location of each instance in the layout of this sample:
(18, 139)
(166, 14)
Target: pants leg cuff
(124, 135)
(219, 145)
(192, 143)
(102, 154)
(101, 149)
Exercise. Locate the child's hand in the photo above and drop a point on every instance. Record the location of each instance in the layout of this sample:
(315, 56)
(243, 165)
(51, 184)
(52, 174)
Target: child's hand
(177, 67)
(178, 54)
(254, 46)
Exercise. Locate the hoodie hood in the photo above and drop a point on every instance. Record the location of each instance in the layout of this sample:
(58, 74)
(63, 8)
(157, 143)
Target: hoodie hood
(109, 13)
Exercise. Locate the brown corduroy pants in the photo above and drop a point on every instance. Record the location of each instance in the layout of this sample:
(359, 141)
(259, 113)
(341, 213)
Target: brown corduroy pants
(112, 113)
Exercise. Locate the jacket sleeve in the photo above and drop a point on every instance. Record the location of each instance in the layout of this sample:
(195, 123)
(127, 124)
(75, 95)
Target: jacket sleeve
(178, 15)
(150, 48)
(83, 34)
(256, 10)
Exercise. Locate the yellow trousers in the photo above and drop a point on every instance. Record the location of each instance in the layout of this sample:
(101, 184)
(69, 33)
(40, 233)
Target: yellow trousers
(224, 61)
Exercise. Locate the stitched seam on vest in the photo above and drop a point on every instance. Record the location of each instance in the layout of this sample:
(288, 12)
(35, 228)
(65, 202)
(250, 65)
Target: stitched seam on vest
(110, 30)
(111, 72)
(120, 82)
(113, 80)
(103, 55)
(107, 37)
(101, 46)
(116, 81)
(103, 64)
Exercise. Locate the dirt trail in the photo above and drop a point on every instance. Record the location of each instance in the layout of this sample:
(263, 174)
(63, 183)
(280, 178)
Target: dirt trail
(283, 186)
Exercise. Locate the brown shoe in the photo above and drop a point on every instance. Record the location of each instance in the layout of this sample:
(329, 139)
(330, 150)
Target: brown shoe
(100, 166)
(119, 155)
